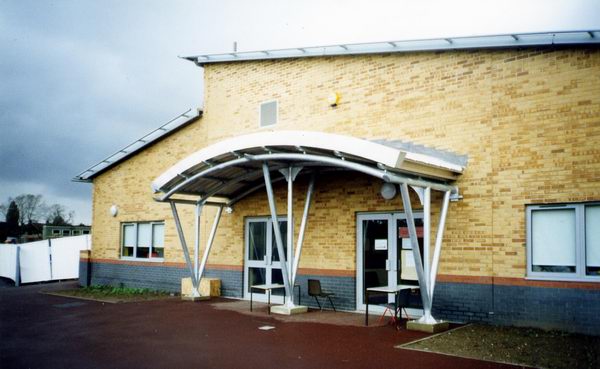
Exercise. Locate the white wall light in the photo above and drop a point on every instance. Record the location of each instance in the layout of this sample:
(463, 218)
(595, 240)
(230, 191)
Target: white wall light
(114, 210)
(388, 191)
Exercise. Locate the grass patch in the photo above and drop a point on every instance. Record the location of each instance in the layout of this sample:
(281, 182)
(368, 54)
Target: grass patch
(522, 346)
(114, 294)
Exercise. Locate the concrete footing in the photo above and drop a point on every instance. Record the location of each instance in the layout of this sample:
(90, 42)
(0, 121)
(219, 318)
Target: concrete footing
(415, 325)
(288, 310)
(195, 298)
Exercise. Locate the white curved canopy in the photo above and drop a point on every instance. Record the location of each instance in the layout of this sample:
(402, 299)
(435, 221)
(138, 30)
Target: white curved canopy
(232, 167)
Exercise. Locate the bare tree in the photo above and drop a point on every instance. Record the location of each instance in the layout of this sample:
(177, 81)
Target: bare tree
(56, 214)
(31, 208)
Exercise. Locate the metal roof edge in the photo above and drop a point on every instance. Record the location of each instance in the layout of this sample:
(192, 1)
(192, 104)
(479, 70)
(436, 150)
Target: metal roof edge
(571, 37)
(156, 135)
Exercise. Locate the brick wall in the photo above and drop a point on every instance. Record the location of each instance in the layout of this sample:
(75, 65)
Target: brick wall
(526, 119)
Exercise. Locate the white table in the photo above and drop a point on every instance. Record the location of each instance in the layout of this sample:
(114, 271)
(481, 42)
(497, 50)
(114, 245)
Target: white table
(267, 288)
(388, 290)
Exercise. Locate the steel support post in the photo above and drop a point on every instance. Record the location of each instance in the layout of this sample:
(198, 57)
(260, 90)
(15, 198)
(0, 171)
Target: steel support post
(276, 230)
(438, 244)
(426, 231)
(197, 244)
(290, 226)
(410, 220)
(209, 243)
(186, 253)
(307, 203)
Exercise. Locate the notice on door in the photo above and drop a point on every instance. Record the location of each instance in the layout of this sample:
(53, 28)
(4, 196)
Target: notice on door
(381, 244)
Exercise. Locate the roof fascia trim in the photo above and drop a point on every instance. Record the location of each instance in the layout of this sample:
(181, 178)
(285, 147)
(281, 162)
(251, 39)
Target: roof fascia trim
(570, 37)
(123, 154)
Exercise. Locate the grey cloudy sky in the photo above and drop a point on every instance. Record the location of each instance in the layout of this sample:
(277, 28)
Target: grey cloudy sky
(80, 79)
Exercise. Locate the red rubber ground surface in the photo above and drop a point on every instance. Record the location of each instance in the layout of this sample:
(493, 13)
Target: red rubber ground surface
(42, 331)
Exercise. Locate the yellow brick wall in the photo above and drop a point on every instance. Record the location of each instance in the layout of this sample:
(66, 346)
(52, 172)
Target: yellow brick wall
(529, 120)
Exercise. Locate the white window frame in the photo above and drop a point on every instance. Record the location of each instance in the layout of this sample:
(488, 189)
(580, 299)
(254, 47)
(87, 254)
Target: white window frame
(580, 247)
(135, 225)
(276, 113)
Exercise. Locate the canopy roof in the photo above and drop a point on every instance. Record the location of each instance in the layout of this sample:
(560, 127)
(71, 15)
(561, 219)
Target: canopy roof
(233, 168)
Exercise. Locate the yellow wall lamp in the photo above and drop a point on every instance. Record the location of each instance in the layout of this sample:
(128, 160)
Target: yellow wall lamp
(333, 99)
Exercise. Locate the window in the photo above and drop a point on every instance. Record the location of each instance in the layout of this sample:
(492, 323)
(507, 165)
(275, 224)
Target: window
(66, 232)
(86, 232)
(75, 232)
(268, 113)
(143, 240)
(563, 241)
(56, 232)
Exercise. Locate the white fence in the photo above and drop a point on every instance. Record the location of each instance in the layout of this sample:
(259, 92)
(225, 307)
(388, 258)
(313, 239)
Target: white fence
(46, 260)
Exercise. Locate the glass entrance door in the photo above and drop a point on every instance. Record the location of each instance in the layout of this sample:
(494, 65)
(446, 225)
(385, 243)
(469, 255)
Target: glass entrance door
(376, 254)
(262, 264)
(384, 254)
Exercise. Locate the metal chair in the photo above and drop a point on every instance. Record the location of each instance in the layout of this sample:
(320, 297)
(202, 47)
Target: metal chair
(314, 290)
(403, 302)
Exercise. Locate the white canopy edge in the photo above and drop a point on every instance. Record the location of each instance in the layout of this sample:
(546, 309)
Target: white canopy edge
(379, 153)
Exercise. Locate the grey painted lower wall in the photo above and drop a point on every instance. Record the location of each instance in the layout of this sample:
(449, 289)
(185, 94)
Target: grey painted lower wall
(157, 277)
(569, 309)
(574, 310)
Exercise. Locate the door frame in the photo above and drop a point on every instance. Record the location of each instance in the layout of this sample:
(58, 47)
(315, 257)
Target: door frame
(392, 217)
(268, 264)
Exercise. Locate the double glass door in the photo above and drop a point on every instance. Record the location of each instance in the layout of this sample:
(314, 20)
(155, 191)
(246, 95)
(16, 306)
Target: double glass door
(262, 265)
(384, 254)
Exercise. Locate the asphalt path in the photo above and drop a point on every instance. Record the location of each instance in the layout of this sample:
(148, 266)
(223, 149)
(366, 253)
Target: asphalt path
(43, 331)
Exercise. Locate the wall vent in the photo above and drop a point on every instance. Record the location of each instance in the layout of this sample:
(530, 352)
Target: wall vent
(268, 113)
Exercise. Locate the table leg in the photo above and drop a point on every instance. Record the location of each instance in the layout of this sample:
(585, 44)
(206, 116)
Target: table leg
(396, 309)
(367, 309)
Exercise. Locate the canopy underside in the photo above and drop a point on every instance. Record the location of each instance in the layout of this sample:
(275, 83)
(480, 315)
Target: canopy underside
(232, 169)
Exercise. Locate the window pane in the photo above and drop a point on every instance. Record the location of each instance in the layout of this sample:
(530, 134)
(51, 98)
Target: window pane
(256, 276)
(158, 239)
(144, 235)
(277, 278)
(553, 240)
(283, 230)
(592, 239)
(144, 240)
(257, 239)
(158, 235)
(128, 240)
(128, 251)
(143, 252)
(129, 235)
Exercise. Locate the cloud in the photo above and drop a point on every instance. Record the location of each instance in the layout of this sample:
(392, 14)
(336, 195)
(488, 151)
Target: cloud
(81, 79)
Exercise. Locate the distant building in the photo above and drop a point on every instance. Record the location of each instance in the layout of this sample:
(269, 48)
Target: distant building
(51, 231)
